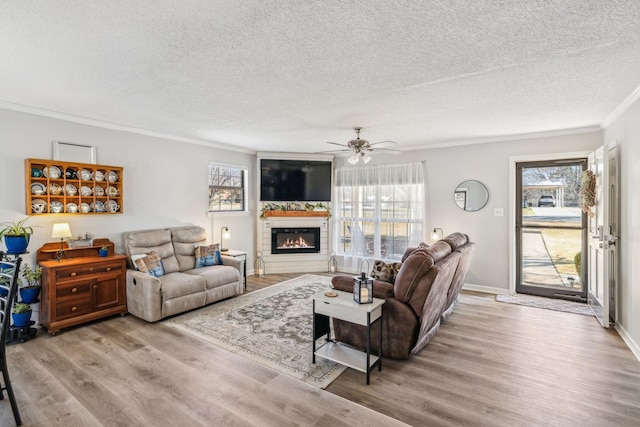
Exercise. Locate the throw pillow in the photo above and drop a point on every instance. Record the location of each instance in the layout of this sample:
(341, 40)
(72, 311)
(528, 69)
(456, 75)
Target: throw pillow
(385, 272)
(208, 255)
(150, 263)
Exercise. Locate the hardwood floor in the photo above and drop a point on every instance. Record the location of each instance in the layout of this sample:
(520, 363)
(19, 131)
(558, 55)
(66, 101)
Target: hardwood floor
(490, 364)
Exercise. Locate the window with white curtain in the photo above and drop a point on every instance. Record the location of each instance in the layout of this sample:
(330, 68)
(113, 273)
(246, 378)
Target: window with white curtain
(379, 210)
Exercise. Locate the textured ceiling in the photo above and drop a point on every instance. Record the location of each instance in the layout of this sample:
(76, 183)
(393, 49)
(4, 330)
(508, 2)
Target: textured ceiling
(288, 75)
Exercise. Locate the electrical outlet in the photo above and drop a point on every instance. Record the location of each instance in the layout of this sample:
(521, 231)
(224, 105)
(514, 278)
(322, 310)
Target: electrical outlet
(498, 212)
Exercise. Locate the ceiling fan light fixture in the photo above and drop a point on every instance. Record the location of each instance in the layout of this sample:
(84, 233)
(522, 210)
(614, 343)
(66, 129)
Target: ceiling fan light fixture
(365, 158)
(353, 159)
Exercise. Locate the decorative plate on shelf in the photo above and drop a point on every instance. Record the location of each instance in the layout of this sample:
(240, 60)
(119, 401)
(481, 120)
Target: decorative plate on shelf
(112, 176)
(71, 190)
(56, 207)
(85, 208)
(71, 208)
(55, 189)
(97, 206)
(98, 176)
(85, 191)
(85, 175)
(53, 172)
(38, 188)
(112, 191)
(98, 191)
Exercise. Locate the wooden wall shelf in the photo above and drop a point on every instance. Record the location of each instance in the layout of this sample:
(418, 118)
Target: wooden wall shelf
(296, 213)
(98, 189)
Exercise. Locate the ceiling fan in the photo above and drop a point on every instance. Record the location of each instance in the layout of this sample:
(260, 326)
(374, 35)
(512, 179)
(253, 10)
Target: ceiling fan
(361, 148)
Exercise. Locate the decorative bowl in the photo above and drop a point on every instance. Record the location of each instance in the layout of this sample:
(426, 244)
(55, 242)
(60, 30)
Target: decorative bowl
(98, 176)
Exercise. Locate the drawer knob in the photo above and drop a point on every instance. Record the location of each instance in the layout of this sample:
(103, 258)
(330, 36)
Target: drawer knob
(90, 268)
(74, 290)
(74, 274)
(74, 308)
(95, 286)
(108, 269)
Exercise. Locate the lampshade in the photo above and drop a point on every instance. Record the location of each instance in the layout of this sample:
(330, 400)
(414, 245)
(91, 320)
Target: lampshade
(437, 234)
(61, 230)
(224, 234)
(365, 158)
(353, 159)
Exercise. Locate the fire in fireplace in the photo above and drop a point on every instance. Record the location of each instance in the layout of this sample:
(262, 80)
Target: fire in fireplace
(295, 240)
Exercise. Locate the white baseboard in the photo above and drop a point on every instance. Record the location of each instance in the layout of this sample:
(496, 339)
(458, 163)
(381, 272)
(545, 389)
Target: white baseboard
(633, 346)
(485, 289)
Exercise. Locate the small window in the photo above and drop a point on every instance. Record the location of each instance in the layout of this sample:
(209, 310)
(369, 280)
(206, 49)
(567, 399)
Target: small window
(227, 188)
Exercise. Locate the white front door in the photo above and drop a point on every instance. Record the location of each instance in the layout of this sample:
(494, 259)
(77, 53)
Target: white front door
(602, 226)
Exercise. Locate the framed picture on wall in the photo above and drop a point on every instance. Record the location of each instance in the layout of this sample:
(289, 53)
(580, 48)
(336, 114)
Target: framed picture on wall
(72, 152)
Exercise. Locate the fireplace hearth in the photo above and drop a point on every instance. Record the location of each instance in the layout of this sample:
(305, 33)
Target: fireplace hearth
(295, 240)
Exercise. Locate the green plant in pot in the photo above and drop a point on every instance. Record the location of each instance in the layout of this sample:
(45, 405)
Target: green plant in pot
(21, 314)
(30, 290)
(16, 235)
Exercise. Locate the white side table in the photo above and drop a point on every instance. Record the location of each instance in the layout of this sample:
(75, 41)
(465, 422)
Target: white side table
(238, 254)
(343, 307)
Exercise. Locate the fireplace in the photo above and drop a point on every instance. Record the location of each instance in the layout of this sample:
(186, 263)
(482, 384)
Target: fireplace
(295, 240)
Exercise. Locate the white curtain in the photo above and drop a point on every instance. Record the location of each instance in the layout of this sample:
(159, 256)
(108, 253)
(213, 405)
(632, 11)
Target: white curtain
(379, 211)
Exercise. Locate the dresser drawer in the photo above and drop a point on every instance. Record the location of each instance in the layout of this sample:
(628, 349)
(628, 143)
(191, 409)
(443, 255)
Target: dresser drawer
(73, 308)
(77, 290)
(84, 270)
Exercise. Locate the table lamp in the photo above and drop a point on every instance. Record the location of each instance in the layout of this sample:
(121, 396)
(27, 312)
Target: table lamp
(62, 231)
(224, 234)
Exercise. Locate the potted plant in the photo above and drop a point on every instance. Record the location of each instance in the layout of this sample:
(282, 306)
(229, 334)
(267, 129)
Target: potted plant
(29, 292)
(103, 251)
(21, 314)
(16, 235)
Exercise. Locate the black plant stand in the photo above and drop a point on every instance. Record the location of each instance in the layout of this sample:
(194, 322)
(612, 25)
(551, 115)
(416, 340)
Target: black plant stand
(21, 333)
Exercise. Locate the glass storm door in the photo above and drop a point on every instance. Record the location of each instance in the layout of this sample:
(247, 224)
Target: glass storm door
(551, 229)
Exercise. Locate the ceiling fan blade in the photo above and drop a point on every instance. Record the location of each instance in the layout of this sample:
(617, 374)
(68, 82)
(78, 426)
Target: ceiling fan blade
(384, 142)
(335, 151)
(387, 150)
(335, 143)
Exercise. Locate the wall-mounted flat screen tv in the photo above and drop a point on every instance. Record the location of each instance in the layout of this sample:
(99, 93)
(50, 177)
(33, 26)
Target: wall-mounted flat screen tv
(295, 180)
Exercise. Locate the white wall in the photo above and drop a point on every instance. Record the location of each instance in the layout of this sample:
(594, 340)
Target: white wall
(165, 183)
(626, 131)
(489, 164)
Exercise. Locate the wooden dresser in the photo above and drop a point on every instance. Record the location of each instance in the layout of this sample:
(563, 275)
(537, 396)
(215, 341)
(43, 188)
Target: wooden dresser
(82, 287)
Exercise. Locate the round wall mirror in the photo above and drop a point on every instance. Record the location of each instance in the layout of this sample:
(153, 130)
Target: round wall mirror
(471, 195)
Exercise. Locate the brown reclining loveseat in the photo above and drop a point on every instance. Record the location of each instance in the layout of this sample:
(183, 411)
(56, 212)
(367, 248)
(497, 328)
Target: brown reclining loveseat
(424, 292)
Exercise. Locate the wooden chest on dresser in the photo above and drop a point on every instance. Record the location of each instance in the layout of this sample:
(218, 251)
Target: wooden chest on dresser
(82, 287)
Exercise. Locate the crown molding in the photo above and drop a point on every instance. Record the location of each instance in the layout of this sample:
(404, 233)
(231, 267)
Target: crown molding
(621, 108)
(512, 137)
(114, 126)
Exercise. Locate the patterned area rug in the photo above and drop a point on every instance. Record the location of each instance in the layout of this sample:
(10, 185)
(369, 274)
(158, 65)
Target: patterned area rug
(271, 326)
(546, 303)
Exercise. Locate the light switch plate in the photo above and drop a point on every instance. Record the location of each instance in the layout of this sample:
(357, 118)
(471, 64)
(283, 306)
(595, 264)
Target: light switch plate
(498, 211)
